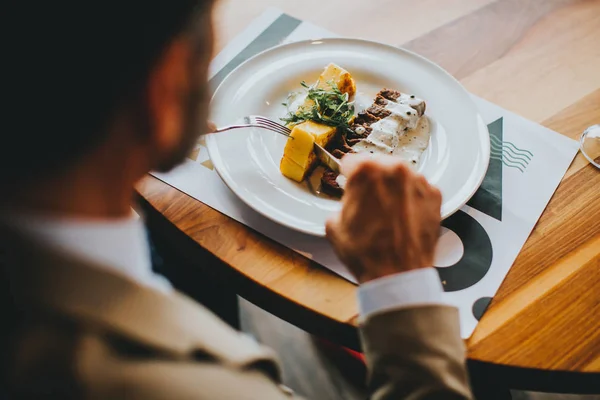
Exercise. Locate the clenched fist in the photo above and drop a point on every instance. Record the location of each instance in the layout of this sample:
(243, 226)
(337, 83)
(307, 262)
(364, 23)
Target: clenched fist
(390, 218)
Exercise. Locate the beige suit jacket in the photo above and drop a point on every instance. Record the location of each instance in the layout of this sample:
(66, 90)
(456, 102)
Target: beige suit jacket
(72, 330)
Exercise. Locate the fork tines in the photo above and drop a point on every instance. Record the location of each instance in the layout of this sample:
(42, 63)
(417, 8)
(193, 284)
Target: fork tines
(268, 124)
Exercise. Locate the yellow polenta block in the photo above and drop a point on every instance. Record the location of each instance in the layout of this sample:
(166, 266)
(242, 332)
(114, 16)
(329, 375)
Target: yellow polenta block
(291, 170)
(298, 156)
(340, 76)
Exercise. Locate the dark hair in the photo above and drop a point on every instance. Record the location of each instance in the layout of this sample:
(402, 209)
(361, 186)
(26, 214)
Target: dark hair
(68, 66)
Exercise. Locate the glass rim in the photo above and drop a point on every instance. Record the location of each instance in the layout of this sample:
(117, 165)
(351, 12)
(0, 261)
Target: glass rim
(582, 138)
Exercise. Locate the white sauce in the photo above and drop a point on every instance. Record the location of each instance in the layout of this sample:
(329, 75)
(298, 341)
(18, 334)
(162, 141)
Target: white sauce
(403, 113)
(411, 100)
(362, 101)
(408, 145)
(341, 181)
(403, 134)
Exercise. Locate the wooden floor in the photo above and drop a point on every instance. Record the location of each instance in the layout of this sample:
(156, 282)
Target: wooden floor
(314, 372)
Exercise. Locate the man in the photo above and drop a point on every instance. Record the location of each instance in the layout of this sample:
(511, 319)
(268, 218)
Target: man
(101, 93)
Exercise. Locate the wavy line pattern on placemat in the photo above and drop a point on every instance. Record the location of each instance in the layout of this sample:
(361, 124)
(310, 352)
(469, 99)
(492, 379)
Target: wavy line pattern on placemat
(510, 155)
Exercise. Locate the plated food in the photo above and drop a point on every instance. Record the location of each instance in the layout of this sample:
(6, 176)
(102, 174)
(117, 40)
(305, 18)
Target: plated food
(327, 113)
(249, 161)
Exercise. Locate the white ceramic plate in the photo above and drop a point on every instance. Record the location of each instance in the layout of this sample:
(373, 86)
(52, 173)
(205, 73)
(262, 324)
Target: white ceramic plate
(248, 159)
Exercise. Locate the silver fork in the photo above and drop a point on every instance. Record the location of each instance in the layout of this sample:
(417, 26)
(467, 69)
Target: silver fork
(256, 121)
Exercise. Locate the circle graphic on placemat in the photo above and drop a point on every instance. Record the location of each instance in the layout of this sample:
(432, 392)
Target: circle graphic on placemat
(480, 306)
(477, 253)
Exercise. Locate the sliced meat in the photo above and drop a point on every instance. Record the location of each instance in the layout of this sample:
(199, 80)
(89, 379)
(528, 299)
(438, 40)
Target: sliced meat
(352, 142)
(362, 128)
(378, 111)
(389, 94)
(381, 101)
(364, 117)
(329, 184)
(340, 143)
(337, 153)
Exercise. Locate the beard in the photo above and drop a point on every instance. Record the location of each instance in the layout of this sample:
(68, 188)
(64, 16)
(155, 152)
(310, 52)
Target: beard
(194, 126)
(197, 103)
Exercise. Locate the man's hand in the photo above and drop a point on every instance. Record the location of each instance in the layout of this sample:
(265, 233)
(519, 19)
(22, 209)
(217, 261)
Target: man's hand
(210, 127)
(389, 221)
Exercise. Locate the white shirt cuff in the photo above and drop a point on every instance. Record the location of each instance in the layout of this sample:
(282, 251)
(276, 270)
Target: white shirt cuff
(406, 289)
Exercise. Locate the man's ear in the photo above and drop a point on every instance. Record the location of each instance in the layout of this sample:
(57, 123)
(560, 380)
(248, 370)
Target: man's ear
(168, 89)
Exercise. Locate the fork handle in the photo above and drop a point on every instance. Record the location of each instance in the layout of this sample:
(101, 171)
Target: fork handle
(230, 127)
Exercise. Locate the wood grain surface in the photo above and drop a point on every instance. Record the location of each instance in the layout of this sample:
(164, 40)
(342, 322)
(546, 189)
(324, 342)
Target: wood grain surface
(538, 58)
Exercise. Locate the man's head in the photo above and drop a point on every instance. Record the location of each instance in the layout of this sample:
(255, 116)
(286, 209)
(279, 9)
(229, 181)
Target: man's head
(80, 78)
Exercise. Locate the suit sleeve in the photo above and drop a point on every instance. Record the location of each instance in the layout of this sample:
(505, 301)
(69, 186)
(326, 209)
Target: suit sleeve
(415, 354)
(412, 353)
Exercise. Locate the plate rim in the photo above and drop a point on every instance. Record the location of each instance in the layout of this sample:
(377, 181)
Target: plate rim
(216, 159)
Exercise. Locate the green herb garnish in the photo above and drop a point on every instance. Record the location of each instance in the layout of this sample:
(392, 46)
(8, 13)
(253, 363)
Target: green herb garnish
(330, 107)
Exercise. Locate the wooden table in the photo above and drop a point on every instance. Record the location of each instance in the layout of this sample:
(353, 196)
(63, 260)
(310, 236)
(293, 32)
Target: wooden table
(538, 58)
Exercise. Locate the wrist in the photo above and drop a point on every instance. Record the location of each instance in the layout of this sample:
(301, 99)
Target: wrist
(414, 288)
